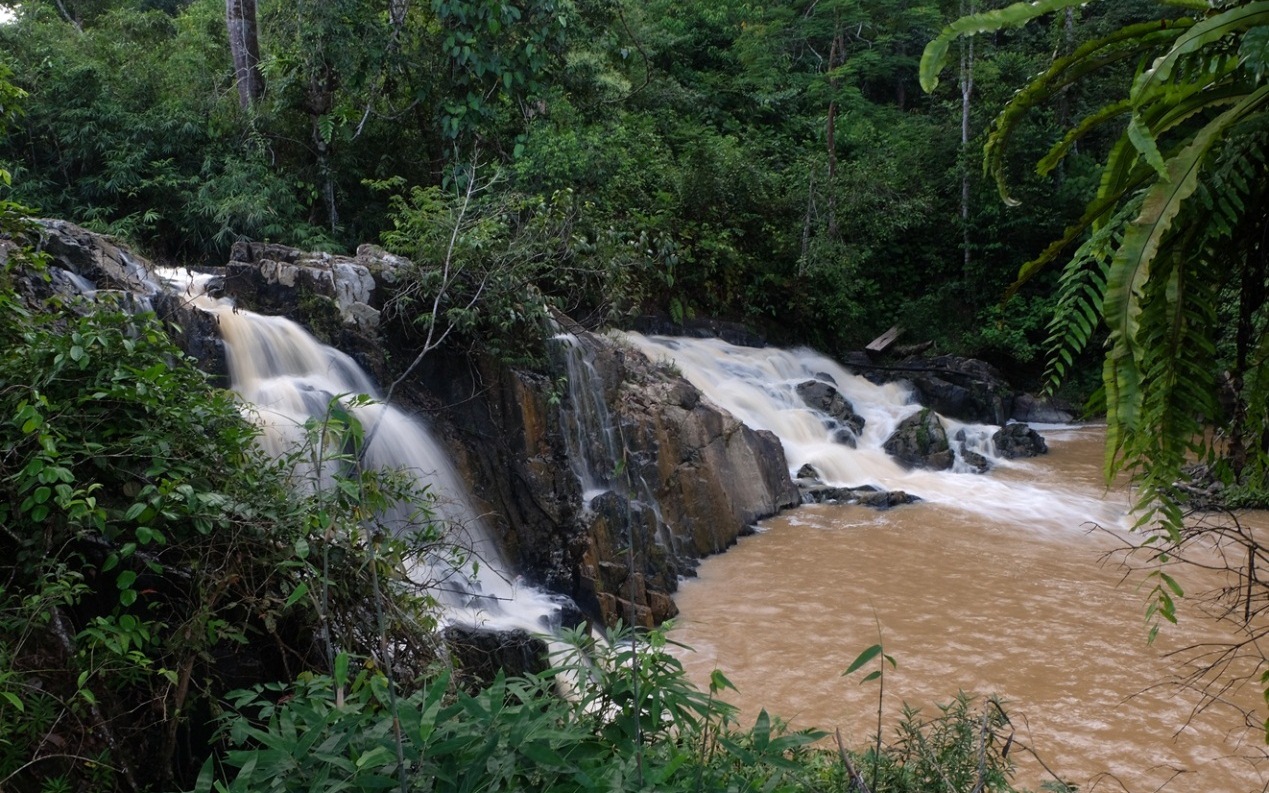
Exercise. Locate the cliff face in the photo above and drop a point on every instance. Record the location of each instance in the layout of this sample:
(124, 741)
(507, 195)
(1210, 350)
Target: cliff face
(681, 478)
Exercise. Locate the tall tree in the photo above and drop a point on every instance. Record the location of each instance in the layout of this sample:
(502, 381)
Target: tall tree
(244, 43)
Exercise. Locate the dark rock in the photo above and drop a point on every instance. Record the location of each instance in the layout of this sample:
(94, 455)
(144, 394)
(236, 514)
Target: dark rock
(920, 441)
(828, 400)
(961, 388)
(1018, 440)
(479, 654)
(1042, 410)
(977, 463)
(700, 328)
(197, 333)
(863, 496)
(808, 472)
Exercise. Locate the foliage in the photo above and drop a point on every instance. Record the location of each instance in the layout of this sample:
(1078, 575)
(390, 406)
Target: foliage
(766, 164)
(1177, 234)
(632, 722)
(152, 554)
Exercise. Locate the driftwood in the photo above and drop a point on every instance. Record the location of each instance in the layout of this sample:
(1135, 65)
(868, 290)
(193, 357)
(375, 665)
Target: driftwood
(882, 342)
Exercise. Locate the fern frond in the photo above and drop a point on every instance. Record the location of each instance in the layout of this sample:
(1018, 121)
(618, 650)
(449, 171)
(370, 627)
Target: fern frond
(1081, 293)
(1196, 39)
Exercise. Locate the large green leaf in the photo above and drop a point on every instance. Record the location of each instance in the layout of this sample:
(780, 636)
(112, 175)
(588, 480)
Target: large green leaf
(935, 56)
(1087, 58)
(1201, 35)
(1131, 267)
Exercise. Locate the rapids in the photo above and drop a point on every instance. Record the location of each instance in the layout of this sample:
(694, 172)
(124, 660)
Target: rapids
(992, 584)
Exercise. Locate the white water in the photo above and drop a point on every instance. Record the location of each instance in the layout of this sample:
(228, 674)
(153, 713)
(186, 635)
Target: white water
(288, 379)
(758, 385)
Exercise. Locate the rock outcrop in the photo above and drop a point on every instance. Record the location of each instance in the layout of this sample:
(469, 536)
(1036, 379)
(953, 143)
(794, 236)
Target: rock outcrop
(1018, 440)
(961, 388)
(1028, 408)
(694, 478)
(847, 424)
(920, 441)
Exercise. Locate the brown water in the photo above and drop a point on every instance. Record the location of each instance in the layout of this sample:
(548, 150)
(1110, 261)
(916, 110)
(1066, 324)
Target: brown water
(1023, 608)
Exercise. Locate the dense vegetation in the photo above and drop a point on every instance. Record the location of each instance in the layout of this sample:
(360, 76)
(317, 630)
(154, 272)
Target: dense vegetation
(774, 164)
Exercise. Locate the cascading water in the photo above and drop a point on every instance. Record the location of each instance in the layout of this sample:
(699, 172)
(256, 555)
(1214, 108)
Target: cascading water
(759, 386)
(589, 432)
(287, 378)
(594, 448)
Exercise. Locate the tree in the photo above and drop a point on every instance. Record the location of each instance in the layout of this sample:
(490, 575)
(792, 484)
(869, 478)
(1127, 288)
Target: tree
(244, 43)
(1174, 256)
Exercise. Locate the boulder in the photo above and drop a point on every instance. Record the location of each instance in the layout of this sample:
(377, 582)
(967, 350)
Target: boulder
(961, 388)
(479, 653)
(1028, 408)
(863, 496)
(281, 280)
(974, 461)
(826, 399)
(1018, 440)
(809, 473)
(920, 441)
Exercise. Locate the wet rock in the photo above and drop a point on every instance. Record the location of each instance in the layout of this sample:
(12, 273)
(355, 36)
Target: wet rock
(961, 388)
(920, 441)
(1042, 410)
(863, 496)
(1019, 440)
(976, 462)
(95, 257)
(809, 473)
(479, 653)
(826, 399)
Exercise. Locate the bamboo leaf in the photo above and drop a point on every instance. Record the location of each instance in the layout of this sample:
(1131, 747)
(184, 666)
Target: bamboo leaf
(863, 658)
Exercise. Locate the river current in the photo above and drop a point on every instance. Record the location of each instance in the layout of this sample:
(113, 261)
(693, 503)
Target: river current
(1032, 611)
(1009, 583)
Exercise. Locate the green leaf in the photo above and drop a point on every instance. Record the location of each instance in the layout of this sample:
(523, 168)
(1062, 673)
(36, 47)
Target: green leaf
(1203, 33)
(297, 593)
(935, 56)
(13, 700)
(863, 658)
(1143, 139)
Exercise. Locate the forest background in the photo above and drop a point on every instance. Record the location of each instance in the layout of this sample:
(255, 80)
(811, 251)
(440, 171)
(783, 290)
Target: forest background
(775, 164)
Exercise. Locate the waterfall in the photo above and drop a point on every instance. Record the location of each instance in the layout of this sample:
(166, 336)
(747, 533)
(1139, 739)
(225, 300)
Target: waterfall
(287, 378)
(593, 443)
(589, 433)
(759, 386)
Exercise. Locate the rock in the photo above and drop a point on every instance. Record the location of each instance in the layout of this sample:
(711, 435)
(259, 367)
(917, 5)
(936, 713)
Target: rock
(826, 399)
(96, 257)
(920, 441)
(809, 473)
(961, 388)
(863, 496)
(976, 462)
(479, 653)
(1018, 440)
(1041, 410)
(278, 279)
(701, 328)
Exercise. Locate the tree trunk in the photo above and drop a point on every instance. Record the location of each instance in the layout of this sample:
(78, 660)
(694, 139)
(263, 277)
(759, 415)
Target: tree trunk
(244, 43)
(836, 51)
(967, 92)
